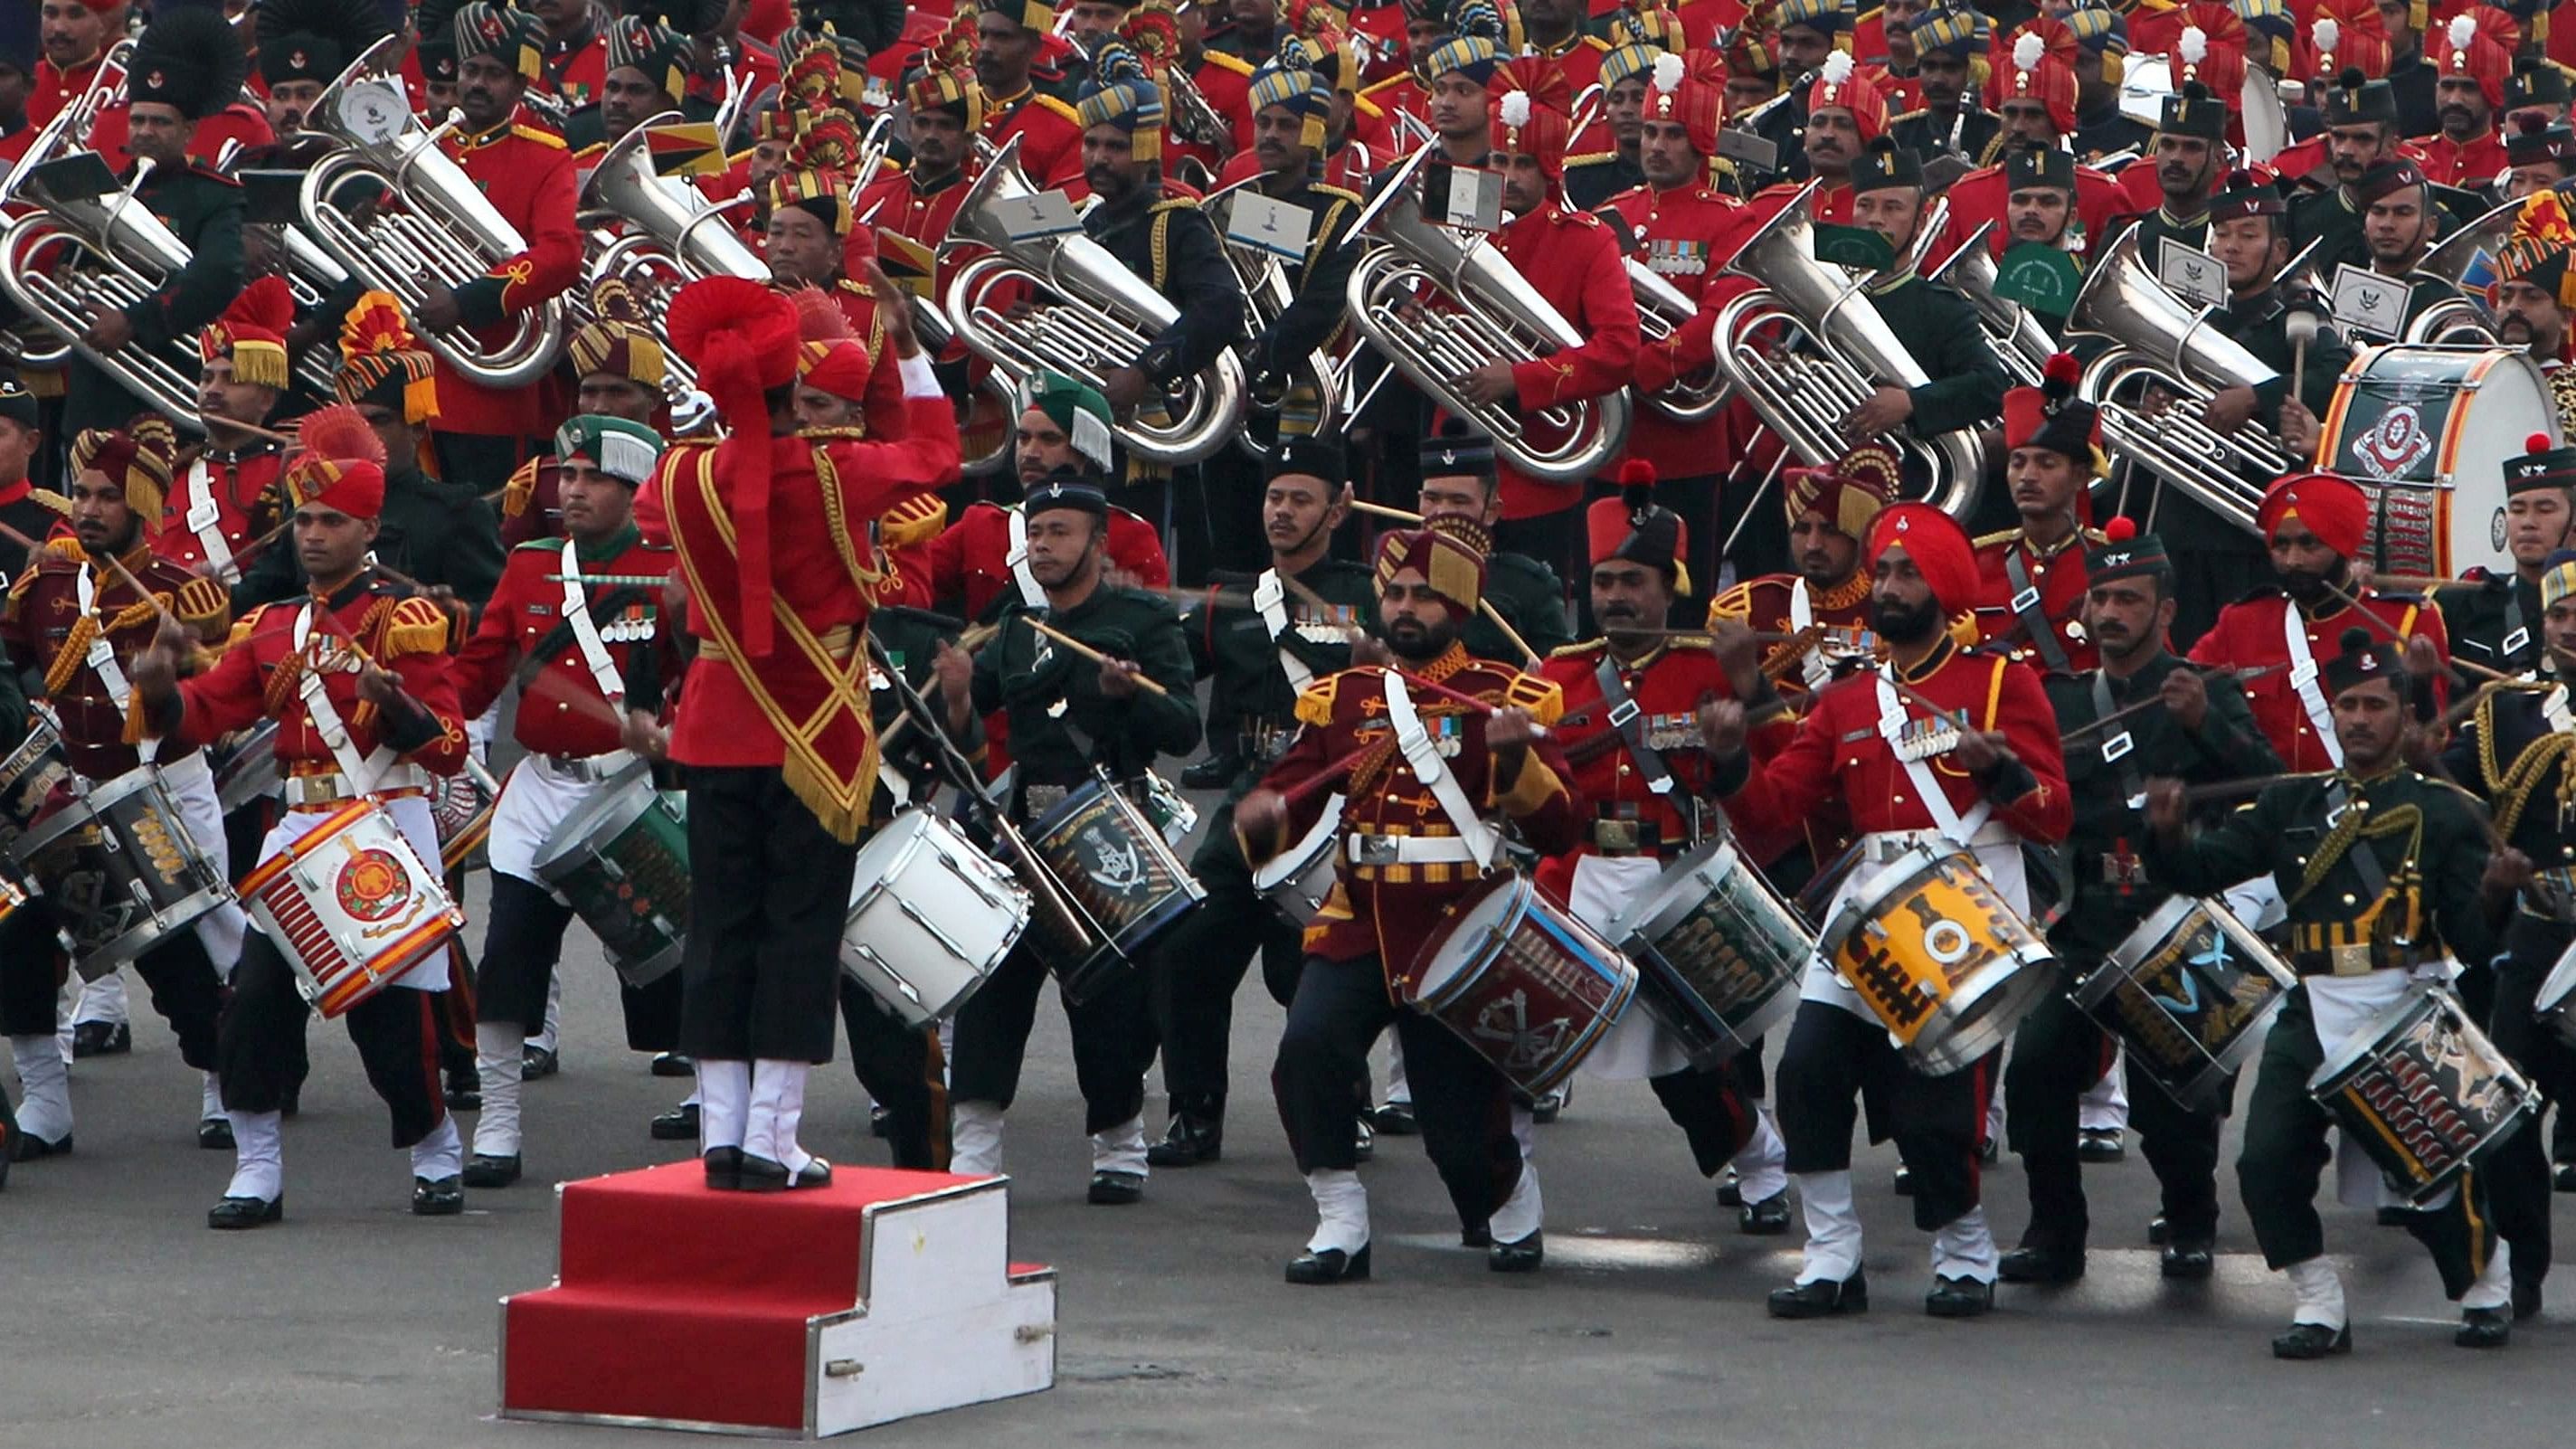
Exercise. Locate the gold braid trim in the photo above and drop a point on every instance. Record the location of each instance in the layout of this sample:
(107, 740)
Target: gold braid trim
(836, 519)
(73, 656)
(2358, 824)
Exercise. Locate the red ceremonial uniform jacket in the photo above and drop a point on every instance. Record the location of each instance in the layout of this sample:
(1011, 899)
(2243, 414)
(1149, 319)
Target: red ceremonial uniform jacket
(1570, 258)
(1839, 753)
(720, 721)
(1397, 95)
(1686, 236)
(1763, 605)
(1226, 81)
(883, 406)
(241, 121)
(2471, 163)
(55, 88)
(2250, 633)
(239, 483)
(563, 711)
(46, 629)
(259, 676)
(2058, 575)
(577, 72)
(1668, 687)
(527, 175)
(1579, 58)
(970, 560)
(1979, 197)
(1389, 911)
(1050, 137)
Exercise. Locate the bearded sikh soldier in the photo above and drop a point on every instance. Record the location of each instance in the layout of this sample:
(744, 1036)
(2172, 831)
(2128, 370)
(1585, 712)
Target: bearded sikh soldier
(2000, 783)
(2031, 578)
(1421, 824)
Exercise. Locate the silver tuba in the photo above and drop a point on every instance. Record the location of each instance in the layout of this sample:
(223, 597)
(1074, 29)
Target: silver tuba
(1662, 310)
(1103, 318)
(1266, 294)
(1492, 315)
(2165, 342)
(2018, 339)
(657, 236)
(1808, 346)
(435, 226)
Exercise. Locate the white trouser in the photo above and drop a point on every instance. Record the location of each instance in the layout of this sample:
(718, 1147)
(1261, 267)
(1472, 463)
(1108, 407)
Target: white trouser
(2104, 1107)
(1637, 1046)
(191, 783)
(102, 1000)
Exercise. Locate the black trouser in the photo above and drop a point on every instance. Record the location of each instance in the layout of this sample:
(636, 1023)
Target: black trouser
(1711, 1109)
(900, 1067)
(2058, 1053)
(1556, 540)
(260, 1050)
(2518, 1174)
(1113, 1040)
(1229, 514)
(181, 977)
(2286, 1152)
(1199, 963)
(522, 945)
(1833, 1055)
(769, 888)
(1463, 1104)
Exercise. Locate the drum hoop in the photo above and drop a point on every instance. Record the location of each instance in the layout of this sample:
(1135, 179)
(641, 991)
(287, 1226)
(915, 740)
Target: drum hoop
(899, 851)
(92, 805)
(1290, 866)
(2357, 1050)
(1517, 890)
(163, 922)
(592, 819)
(1667, 900)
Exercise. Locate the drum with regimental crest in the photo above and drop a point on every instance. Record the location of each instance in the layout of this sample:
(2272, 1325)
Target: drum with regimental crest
(351, 906)
(931, 917)
(2424, 1092)
(2426, 430)
(1942, 959)
(1521, 980)
(35, 781)
(116, 863)
(2188, 993)
(462, 809)
(1297, 880)
(1113, 860)
(622, 859)
(1718, 954)
(245, 767)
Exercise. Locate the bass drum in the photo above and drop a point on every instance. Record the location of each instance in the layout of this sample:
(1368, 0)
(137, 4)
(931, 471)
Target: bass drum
(2426, 430)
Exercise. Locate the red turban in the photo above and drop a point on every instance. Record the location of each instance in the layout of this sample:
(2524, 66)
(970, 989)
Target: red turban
(2334, 509)
(1841, 87)
(2038, 75)
(1938, 546)
(342, 466)
(1692, 91)
(2478, 43)
(2344, 34)
(839, 367)
(1525, 123)
(1455, 571)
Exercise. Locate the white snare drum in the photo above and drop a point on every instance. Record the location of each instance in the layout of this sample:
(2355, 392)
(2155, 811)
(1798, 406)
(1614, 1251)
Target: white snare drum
(351, 906)
(1297, 880)
(1945, 962)
(930, 917)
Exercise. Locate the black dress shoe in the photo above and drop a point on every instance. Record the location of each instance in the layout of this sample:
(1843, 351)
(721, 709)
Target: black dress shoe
(672, 1064)
(1213, 773)
(2526, 1299)
(464, 1092)
(1730, 1190)
(537, 1062)
(1117, 1189)
(2101, 1144)
(680, 1124)
(815, 1173)
(235, 1214)
(761, 1174)
(1396, 1119)
(1330, 1265)
(485, 1170)
(27, 1147)
(1545, 1109)
(880, 1122)
(2040, 1263)
(1522, 1256)
(2484, 1328)
(2312, 1340)
(1904, 1183)
(2563, 1177)
(292, 1101)
(724, 1168)
(1364, 1140)
(2156, 1231)
(2188, 1261)
(443, 1198)
(1767, 1218)
(1823, 1298)
(215, 1134)
(1188, 1142)
(101, 1039)
(1959, 1298)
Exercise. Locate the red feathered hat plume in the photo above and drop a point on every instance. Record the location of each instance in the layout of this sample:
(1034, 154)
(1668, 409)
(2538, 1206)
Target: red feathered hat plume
(818, 317)
(342, 466)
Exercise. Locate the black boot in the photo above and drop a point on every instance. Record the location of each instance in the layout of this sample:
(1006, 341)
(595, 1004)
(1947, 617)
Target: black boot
(2312, 1340)
(1331, 1265)
(2484, 1328)
(2042, 1262)
(1823, 1298)
(1196, 1135)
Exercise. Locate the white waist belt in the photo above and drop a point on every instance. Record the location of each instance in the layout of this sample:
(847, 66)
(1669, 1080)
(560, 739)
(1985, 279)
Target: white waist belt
(1881, 846)
(1362, 849)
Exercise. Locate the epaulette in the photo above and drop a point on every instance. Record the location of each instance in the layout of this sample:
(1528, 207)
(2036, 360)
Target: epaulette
(1989, 540)
(48, 498)
(2095, 535)
(591, 153)
(1173, 203)
(1591, 158)
(521, 490)
(1578, 648)
(200, 166)
(548, 545)
(1544, 698)
(200, 599)
(417, 625)
(1735, 603)
(1365, 106)
(1913, 115)
(1576, 218)
(1315, 701)
(1397, 79)
(545, 138)
(1233, 63)
(1059, 107)
(912, 521)
(1343, 192)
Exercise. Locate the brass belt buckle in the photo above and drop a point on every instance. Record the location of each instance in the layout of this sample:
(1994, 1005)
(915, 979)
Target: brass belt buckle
(2352, 960)
(1615, 834)
(1380, 849)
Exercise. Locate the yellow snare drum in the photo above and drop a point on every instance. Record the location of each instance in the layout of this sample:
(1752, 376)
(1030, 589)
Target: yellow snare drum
(1946, 964)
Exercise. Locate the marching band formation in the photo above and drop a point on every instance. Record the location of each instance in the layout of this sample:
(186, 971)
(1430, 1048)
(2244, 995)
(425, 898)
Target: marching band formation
(2011, 563)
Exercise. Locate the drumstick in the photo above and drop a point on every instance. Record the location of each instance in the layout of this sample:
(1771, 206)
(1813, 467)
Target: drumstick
(1095, 656)
(1380, 510)
(2460, 666)
(122, 572)
(2151, 701)
(2227, 789)
(1329, 775)
(622, 581)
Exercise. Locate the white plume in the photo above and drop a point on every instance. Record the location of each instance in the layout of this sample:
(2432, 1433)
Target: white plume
(1668, 72)
(1516, 109)
(2464, 28)
(2195, 45)
(1838, 68)
(2027, 51)
(2327, 34)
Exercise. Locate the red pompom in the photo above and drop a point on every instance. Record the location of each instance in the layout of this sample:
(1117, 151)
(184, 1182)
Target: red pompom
(2536, 443)
(2063, 369)
(1636, 471)
(2120, 529)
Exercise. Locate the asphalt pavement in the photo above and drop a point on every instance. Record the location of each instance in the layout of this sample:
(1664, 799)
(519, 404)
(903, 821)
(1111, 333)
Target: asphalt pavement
(125, 1322)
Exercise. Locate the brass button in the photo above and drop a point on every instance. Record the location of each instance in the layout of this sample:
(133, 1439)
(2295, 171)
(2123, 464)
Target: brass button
(1898, 799)
(2347, 898)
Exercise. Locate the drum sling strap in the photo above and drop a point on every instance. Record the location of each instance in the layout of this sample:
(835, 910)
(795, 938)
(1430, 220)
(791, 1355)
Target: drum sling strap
(2303, 678)
(1629, 720)
(585, 630)
(205, 519)
(102, 656)
(1812, 665)
(1270, 600)
(2516, 632)
(1424, 758)
(363, 771)
(1892, 720)
(1032, 593)
(2029, 615)
(2120, 752)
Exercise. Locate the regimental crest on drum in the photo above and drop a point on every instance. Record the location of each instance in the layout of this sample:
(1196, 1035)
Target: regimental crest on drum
(1113, 864)
(371, 885)
(2394, 444)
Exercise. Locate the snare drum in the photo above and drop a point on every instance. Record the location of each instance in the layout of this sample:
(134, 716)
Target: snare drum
(351, 906)
(1718, 955)
(1112, 860)
(622, 859)
(247, 771)
(1297, 881)
(930, 917)
(1940, 957)
(2556, 1003)
(35, 780)
(462, 810)
(2424, 1092)
(120, 870)
(2188, 993)
(1518, 978)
